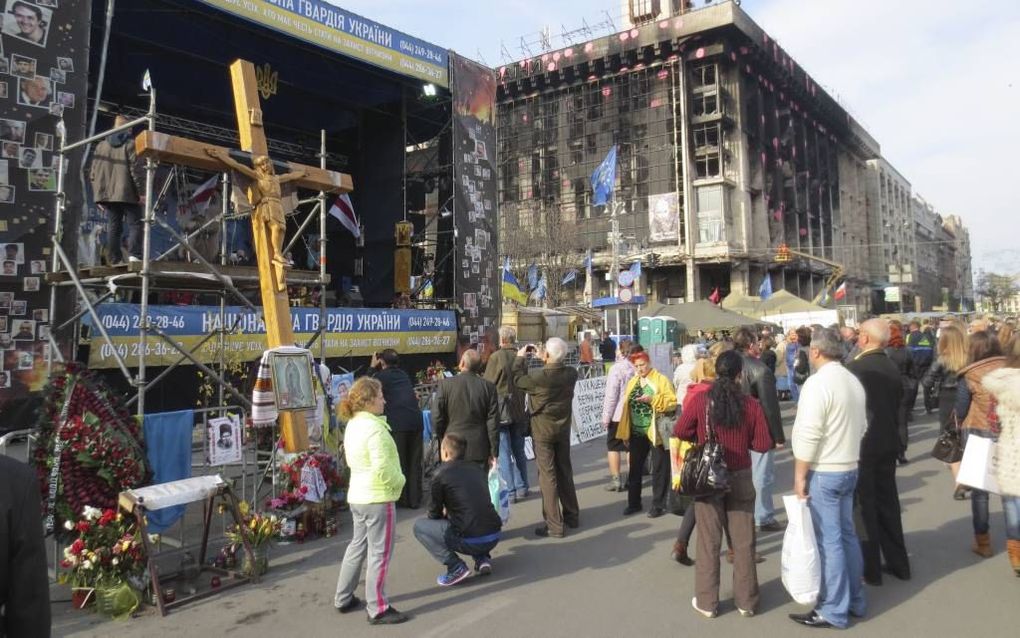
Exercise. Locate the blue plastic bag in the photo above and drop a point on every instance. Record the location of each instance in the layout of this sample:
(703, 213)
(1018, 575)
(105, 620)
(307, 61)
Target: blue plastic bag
(499, 494)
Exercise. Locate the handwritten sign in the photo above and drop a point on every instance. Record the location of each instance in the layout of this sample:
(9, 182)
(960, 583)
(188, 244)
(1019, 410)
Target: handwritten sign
(587, 408)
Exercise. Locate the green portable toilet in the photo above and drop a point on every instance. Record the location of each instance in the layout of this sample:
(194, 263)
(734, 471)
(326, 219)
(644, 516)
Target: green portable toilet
(645, 331)
(671, 331)
(659, 329)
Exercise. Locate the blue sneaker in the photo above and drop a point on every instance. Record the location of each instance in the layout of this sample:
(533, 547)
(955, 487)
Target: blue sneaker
(453, 575)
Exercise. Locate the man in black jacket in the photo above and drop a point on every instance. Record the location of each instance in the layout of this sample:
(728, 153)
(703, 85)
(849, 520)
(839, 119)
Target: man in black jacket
(877, 497)
(24, 584)
(513, 420)
(467, 405)
(405, 421)
(461, 519)
(759, 382)
(551, 392)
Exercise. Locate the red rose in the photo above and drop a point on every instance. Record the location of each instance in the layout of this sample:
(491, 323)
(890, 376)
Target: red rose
(82, 526)
(77, 546)
(304, 489)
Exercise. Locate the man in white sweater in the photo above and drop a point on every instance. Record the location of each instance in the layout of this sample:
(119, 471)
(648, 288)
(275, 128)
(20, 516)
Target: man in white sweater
(831, 421)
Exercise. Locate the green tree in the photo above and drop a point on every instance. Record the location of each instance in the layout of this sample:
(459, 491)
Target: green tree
(995, 289)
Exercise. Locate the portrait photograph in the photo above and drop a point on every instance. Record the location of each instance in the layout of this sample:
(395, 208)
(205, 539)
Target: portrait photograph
(42, 179)
(27, 22)
(56, 109)
(26, 360)
(9, 268)
(225, 443)
(37, 266)
(31, 157)
(5, 377)
(65, 99)
(292, 382)
(6, 343)
(52, 4)
(22, 66)
(37, 92)
(3, 90)
(23, 330)
(3, 324)
(5, 172)
(44, 141)
(6, 195)
(5, 66)
(12, 131)
(44, 332)
(31, 284)
(13, 252)
(6, 299)
(10, 150)
(41, 314)
(19, 308)
(66, 65)
(57, 76)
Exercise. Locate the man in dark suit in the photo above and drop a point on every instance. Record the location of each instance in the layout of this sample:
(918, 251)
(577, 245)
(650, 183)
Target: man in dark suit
(513, 420)
(759, 382)
(405, 421)
(877, 497)
(467, 405)
(24, 584)
(551, 392)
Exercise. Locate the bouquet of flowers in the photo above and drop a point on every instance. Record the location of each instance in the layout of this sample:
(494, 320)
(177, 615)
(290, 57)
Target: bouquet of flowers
(89, 449)
(295, 490)
(107, 551)
(261, 530)
(432, 374)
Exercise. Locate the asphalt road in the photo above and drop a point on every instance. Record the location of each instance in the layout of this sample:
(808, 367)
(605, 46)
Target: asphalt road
(612, 577)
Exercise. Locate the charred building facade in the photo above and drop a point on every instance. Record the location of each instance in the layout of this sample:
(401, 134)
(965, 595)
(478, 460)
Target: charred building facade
(726, 149)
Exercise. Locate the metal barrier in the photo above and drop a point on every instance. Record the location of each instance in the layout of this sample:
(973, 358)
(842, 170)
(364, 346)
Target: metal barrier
(17, 435)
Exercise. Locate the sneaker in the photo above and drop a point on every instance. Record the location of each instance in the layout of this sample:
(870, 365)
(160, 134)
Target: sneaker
(134, 260)
(614, 484)
(483, 567)
(389, 616)
(706, 614)
(453, 575)
(746, 613)
(350, 605)
(523, 494)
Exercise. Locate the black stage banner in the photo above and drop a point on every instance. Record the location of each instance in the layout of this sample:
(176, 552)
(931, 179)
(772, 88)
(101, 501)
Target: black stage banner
(43, 72)
(476, 271)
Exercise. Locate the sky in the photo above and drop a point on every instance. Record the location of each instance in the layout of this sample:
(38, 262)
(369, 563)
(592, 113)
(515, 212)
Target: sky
(931, 80)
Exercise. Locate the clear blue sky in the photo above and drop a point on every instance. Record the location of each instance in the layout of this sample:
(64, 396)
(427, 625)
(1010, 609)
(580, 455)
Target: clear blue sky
(935, 81)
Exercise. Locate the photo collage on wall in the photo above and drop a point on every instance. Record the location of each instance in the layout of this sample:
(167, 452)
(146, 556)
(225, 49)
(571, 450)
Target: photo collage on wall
(43, 64)
(476, 271)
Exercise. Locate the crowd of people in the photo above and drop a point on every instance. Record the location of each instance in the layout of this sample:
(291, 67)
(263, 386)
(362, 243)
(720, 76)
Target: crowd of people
(854, 389)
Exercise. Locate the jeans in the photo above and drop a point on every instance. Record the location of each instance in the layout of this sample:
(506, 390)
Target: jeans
(763, 472)
(444, 543)
(1010, 507)
(513, 465)
(118, 213)
(831, 505)
(794, 388)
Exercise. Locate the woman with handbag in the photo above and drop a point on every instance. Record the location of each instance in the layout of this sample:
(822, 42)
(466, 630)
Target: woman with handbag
(644, 426)
(1004, 386)
(975, 409)
(726, 416)
(940, 381)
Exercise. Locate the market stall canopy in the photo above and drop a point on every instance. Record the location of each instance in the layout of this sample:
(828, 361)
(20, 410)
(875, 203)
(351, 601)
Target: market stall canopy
(741, 303)
(783, 302)
(700, 315)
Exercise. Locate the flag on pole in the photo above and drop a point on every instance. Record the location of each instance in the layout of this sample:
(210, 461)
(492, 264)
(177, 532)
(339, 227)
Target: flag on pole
(343, 210)
(511, 287)
(587, 263)
(569, 277)
(635, 269)
(540, 291)
(841, 292)
(715, 297)
(427, 291)
(765, 289)
(200, 199)
(604, 178)
(532, 276)
(146, 81)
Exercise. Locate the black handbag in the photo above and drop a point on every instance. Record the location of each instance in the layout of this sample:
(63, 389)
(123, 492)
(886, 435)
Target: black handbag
(948, 447)
(704, 471)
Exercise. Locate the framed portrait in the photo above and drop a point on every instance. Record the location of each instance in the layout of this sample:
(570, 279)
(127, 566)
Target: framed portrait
(26, 360)
(224, 440)
(57, 76)
(6, 299)
(5, 379)
(7, 194)
(23, 330)
(31, 157)
(42, 179)
(19, 307)
(13, 252)
(27, 22)
(340, 385)
(44, 141)
(12, 131)
(41, 314)
(3, 328)
(66, 65)
(37, 92)
(3, 90)
(65, 99)
(31, 284)
(10, 150)
(22, 66)
(5, 66)
(4, 173)
(44, 332)
(292, 382)
(37, 266)
(56, 109)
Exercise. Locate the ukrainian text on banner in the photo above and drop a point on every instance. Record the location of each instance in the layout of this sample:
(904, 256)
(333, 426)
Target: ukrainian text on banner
(335, 29)
(350, 332)
(587, 409)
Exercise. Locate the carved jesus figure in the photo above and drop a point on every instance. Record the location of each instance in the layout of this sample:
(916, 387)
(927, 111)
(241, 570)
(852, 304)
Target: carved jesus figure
(268, 208)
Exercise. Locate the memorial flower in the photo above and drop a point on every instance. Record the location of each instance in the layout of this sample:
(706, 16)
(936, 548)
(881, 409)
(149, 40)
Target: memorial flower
(103, 555)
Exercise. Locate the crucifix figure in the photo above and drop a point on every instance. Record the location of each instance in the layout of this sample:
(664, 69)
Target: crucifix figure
(264, 194)
(268, 209)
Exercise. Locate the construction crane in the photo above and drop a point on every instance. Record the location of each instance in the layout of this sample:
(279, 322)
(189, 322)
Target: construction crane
(785, 255)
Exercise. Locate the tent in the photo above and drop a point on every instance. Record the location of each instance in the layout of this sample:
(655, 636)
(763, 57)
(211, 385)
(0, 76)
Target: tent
(741, 303)
(700, 315)
(783, 302)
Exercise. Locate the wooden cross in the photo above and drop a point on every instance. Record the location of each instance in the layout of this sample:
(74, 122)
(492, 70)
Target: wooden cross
(261, 194)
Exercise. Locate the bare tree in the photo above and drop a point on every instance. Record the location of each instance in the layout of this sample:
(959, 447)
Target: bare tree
(996, 289)
(547, 237)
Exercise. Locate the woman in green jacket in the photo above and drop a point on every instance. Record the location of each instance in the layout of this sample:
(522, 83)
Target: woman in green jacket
(376, 482)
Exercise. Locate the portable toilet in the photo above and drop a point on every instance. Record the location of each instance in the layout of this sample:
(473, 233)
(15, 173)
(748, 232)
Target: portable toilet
(645, 331)
(672, 331)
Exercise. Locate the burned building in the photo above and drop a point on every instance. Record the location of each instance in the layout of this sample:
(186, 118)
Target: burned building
(726, 149)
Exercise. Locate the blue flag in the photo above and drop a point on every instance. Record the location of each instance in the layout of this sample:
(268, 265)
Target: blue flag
(635, 269)
(587, 262)
(765, 289)
(532, 276)
(541, 289)
(569, 277)
(603, 179)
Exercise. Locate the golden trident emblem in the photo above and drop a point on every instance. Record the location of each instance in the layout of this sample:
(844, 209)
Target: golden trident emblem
(266, 79)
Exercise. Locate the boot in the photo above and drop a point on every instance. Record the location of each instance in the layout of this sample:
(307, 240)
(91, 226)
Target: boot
(1013, 550)
(982, 545)
(680, 555)
(614, 484)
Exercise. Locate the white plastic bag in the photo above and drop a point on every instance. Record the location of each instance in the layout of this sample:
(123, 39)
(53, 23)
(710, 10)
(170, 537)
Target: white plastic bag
(499, 494)
(978, 467)
(802, 571)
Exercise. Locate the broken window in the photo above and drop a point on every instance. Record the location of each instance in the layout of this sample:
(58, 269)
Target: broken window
(706, 135)
(706, 104)
(707, 165)
(710, 214)
(703, 76)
